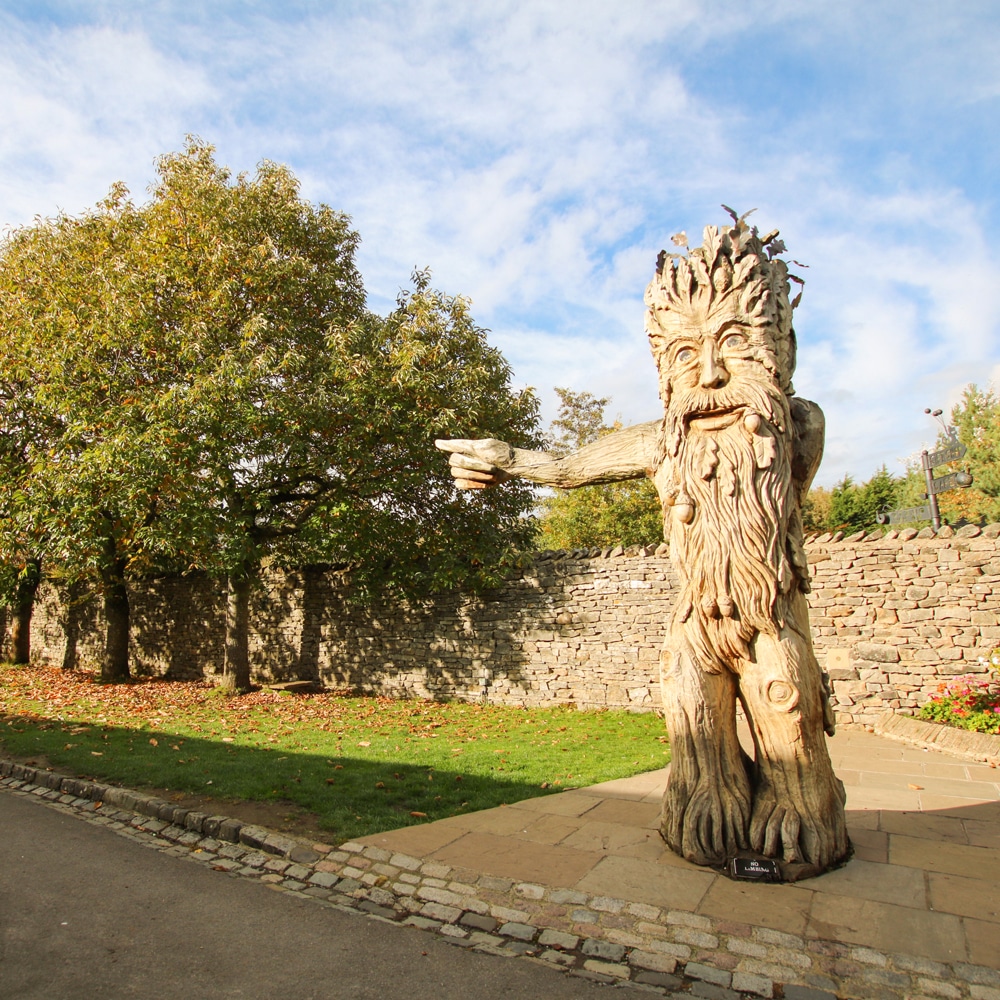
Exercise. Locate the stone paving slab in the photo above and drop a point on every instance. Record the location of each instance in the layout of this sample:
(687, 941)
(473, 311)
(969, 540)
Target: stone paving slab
(580, 881)
(921, 881)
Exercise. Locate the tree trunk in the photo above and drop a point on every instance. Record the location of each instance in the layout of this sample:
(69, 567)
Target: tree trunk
(311, 634)
(236, 670)
(114, 664)
(71, 626)
(24, 606)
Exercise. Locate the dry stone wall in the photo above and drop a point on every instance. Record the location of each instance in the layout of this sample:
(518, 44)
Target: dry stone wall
(893, 616)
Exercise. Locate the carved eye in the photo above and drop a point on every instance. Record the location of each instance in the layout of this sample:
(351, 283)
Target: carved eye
(734, 341)
(684, 355)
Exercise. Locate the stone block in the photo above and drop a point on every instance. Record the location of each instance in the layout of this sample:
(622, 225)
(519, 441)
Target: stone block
(606, 950)
(437, 911)
(652, 961)
(712, 992)
(807, 993)
(747, 982)
(608, 969)
(877, 652)
(708, 974)
(558, 939)
(518, 931)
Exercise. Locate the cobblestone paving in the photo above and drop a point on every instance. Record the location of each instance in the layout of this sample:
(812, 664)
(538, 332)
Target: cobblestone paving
(614, 941)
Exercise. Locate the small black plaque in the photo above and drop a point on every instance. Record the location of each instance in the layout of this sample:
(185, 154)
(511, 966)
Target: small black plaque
(755, 870)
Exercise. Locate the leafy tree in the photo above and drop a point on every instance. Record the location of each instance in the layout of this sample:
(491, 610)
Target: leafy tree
(216, 394)
(580, 421)
(850, 507)
(20, 570)
(626, 513)
(856, 508)
(71, 409)
(880, 493)
(843, 513)
(816, 509)
(977, 420)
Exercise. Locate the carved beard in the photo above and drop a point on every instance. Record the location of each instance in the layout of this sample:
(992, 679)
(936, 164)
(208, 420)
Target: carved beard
(735, 483)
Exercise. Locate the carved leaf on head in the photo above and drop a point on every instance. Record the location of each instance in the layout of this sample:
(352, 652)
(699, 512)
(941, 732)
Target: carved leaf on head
(679, 239)
(800, 282)
(743, 269)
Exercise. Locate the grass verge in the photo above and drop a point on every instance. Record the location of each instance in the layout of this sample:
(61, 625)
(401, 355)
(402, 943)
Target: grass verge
(358, 765)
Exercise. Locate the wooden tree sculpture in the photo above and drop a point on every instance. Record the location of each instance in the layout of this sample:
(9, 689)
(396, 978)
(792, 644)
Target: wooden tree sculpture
(731, 460)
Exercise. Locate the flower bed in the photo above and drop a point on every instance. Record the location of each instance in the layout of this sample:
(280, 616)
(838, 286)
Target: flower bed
(970, 702)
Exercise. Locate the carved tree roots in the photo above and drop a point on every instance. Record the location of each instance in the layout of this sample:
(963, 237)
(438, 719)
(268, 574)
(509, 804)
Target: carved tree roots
(786, 803)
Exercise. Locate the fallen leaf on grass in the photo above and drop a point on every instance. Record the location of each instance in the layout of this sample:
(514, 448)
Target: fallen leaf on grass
(418, 815)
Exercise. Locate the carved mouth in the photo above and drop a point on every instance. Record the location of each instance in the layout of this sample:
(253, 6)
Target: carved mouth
(714, 420)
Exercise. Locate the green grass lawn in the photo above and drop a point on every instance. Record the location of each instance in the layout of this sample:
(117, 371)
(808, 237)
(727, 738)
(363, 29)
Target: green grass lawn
(359, 765)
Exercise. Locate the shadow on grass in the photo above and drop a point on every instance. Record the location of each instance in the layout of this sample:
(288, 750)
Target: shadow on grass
(349, 796)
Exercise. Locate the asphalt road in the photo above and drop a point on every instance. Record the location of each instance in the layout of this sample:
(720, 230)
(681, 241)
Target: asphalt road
(86, 913)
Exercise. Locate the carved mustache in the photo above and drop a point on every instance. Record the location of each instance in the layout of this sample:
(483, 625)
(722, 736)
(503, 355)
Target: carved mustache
(756, 398)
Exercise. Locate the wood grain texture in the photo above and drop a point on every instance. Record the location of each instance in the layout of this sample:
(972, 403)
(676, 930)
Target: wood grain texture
(731, 460)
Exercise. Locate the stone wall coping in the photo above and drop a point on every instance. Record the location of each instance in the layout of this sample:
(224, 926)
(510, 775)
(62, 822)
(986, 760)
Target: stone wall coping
(945, 533)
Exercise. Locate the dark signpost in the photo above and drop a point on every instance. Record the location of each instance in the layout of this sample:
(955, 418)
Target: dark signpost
(951, 452)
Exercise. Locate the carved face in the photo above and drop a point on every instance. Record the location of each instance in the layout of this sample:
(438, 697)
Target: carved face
(716, 369)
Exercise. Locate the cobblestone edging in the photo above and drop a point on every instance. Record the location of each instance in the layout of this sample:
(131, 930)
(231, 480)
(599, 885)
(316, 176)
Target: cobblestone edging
(613, 941)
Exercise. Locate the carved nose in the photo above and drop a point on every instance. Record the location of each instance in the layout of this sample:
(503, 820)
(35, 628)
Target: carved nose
(713, 374)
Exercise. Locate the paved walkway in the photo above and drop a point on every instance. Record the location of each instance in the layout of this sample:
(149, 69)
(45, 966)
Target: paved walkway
(88, 915)
(924, 880)
(581, 881)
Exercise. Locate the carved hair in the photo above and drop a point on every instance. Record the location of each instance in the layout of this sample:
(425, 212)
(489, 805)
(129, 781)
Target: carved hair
(733, 485)
(733, 273)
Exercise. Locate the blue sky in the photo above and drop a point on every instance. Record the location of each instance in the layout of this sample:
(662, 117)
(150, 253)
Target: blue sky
(537, 155)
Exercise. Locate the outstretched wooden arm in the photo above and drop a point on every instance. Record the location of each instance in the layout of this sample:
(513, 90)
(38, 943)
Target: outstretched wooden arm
(624, 454)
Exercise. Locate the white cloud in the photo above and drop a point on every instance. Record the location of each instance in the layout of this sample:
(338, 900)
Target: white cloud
(537, 155)
(89, 106)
